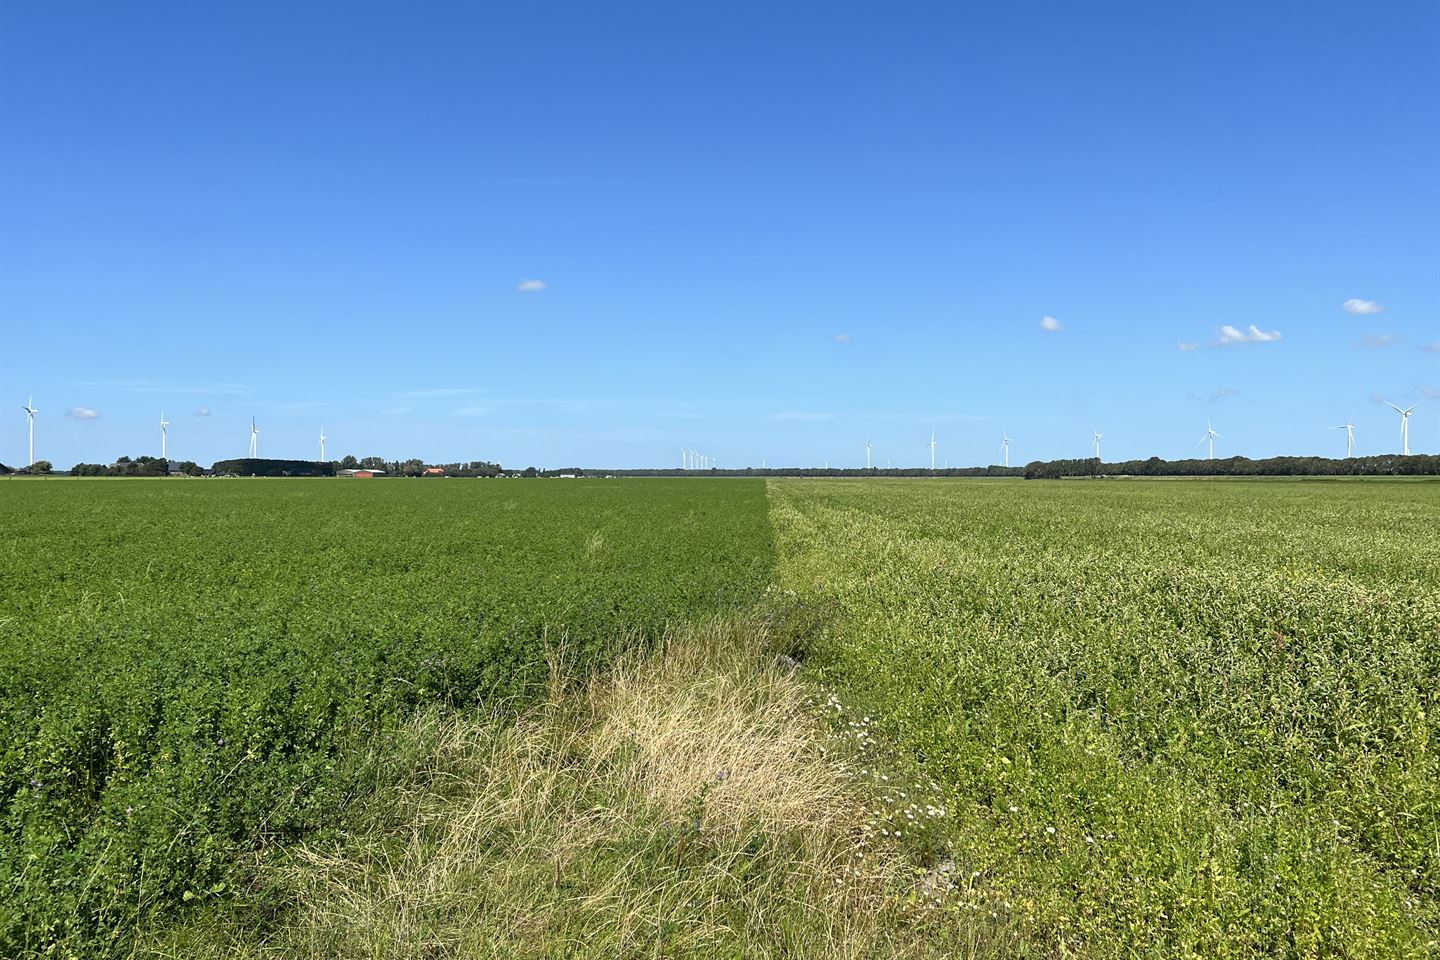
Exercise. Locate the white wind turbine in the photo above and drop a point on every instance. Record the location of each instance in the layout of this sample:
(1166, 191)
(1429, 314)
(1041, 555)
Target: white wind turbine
(1005, 446)
(1404, 426)
(322, 444)
(30, 412)
(1349, 427)
(932, 449)
(1095, 436)
(1210, 435)
(254, 433)
(867, 454)
(163, 424)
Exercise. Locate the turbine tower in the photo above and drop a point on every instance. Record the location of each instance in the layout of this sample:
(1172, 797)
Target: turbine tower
(1349, 427)
(254, 433)
(1404, 427)
(1095, 436)
(163, 424)
(1210, 435)
(932, 450)
(867, 454)
(1005, 446)
(30, 412)
(322, 444)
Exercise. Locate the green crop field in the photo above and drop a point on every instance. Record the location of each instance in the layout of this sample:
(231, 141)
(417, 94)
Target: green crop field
(192, 670)
(1190, 718)
(1164, 718)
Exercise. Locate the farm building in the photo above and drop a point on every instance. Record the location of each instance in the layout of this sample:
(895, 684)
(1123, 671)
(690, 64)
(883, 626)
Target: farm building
(360, 474)
(434, 471)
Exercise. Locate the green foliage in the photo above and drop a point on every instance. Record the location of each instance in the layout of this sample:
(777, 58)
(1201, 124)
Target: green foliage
(264, 467)
(126, 467)
(195, 673)
(1419, 464)
(1172, 718)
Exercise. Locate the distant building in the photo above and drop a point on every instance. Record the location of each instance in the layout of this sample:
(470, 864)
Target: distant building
(434, 471)
(359, 473)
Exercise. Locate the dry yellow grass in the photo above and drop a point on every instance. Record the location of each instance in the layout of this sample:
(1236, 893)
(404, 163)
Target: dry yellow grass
(688, 802)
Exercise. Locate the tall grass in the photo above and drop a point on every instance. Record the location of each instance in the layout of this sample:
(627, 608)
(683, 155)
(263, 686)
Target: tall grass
(687, 802)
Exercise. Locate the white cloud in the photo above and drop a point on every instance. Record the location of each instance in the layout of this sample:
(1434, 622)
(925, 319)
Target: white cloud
(1432, 393)
(842, 338)
(1357, 307)
(1374, 341)
(1230, 335)
(531, 286)
(801, 415)
(438, 392)
(1431, 347)
(203, 412)
(1186, 346)
(83, 413)
(1214, 396)
(474, 410)
(1050, 324)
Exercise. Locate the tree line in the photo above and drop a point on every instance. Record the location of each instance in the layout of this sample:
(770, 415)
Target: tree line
(1385, 465)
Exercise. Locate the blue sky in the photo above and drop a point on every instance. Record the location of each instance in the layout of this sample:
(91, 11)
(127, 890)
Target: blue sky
(757, 232)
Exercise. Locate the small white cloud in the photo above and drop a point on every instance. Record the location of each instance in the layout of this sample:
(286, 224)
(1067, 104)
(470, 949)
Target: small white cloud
(1050, 324)
(1230, 335)
(473, 410)
(1357, 307)
(1432, 393)
(1186, 346)
(203, 412)
(1375, 341)
(531, 286)
(83, 413)
(1431, 347)
(801, 415)
(842, 338)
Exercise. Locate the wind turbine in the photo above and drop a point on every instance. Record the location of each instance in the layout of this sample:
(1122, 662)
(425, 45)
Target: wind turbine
(30, 412)
(1349, 427)
(1210, 435)
(1095, 439)
(322, 444)
(1404, 426)
(867, 454)
(932, 450)
(254, 433)
(163, 424)
(1005, 446)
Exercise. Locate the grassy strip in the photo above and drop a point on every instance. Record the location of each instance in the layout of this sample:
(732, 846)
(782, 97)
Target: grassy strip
(694, 801)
